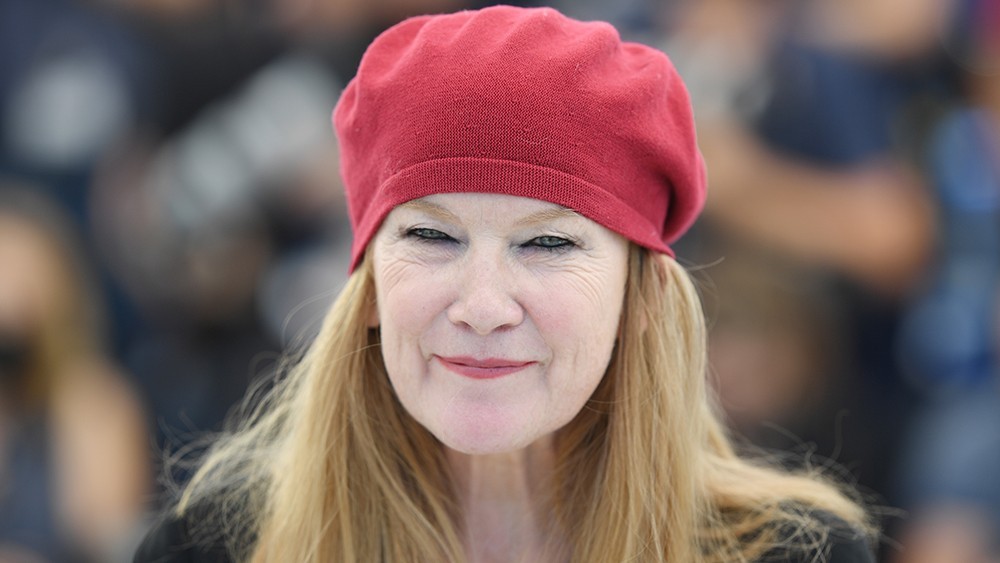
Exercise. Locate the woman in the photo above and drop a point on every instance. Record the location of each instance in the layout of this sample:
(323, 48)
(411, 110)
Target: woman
(515, 370)
(74, 474)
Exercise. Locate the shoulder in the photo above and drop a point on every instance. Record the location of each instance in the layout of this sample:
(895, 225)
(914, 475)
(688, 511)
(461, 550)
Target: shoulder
(170, 540)
(842, 543)
(836, 550)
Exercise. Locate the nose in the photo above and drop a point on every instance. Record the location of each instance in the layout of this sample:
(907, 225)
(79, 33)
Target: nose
(486, 297)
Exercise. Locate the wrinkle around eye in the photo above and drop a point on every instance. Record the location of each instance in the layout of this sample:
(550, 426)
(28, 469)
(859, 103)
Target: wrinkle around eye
(578, 254)
(585, 277)
(404, 245)
(396, 267)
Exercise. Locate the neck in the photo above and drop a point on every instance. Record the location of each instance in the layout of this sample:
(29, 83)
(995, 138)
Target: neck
(504, 502)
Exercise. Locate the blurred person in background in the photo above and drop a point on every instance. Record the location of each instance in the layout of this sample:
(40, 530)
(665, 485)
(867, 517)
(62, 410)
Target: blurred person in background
(801, 105)
(950, 344)
(74, 470)
(777, 351)
(810, 117)
(73, 82)
(85, 86)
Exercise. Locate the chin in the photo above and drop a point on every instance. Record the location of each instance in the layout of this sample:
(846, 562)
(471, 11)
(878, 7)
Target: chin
(479, 449)
(483, 435)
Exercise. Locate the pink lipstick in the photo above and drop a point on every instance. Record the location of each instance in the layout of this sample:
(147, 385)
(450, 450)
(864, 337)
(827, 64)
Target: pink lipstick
(487, 368)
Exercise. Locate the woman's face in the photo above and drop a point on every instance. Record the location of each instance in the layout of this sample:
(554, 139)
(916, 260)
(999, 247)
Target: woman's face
(498, 314)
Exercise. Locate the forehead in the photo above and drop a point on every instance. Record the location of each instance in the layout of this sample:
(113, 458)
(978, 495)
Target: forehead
(483, 207)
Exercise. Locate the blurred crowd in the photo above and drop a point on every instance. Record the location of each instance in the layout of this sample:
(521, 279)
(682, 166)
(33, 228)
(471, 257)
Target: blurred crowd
(171, 227)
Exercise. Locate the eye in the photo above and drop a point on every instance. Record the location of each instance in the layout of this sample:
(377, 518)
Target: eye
(425, 234)
(550, 243)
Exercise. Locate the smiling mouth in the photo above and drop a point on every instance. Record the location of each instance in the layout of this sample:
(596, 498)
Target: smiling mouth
(488, 368)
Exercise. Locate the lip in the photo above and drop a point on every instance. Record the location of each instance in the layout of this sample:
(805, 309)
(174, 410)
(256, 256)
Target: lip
(482, 368)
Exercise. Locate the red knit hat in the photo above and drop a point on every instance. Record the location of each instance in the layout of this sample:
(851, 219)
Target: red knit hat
(524, 102)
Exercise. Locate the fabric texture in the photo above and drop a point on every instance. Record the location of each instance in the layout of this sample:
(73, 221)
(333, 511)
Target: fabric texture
(170, 541)
(526, 102)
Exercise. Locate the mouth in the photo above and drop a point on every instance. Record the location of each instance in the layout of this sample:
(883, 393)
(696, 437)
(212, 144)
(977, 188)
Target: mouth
(485, 368)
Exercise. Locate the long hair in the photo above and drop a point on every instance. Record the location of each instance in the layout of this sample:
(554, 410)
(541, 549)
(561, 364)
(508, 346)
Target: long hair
(330, 467)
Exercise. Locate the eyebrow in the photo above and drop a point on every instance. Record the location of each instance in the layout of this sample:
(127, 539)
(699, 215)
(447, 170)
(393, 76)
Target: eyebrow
(548, 215)
(443, 214)
(431, 209)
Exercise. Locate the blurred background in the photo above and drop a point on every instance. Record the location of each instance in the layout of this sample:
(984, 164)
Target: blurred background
(171, 224)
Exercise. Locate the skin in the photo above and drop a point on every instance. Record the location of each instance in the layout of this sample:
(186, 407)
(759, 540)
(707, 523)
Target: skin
(519, 281)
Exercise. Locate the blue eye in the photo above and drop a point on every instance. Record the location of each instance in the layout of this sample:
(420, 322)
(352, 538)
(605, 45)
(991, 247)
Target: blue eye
(424, 234)
(551, 243)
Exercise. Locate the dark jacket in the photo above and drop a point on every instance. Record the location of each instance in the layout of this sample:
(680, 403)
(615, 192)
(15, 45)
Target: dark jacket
(171, 541)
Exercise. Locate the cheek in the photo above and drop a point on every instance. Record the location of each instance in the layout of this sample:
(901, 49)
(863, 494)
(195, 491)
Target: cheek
(585, 304)
(408, 303)
(580, 322)
(405, 307)
(407, 295)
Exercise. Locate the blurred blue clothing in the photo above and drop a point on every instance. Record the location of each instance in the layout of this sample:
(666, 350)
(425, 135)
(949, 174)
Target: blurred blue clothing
(953, 455)
(830, 108)
(27, 504)
(949, 339)
(841, 111)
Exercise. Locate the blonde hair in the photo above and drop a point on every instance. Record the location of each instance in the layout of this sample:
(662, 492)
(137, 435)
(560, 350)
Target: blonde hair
(330, 467)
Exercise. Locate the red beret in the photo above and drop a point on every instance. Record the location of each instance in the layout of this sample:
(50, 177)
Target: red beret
(526, 102)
